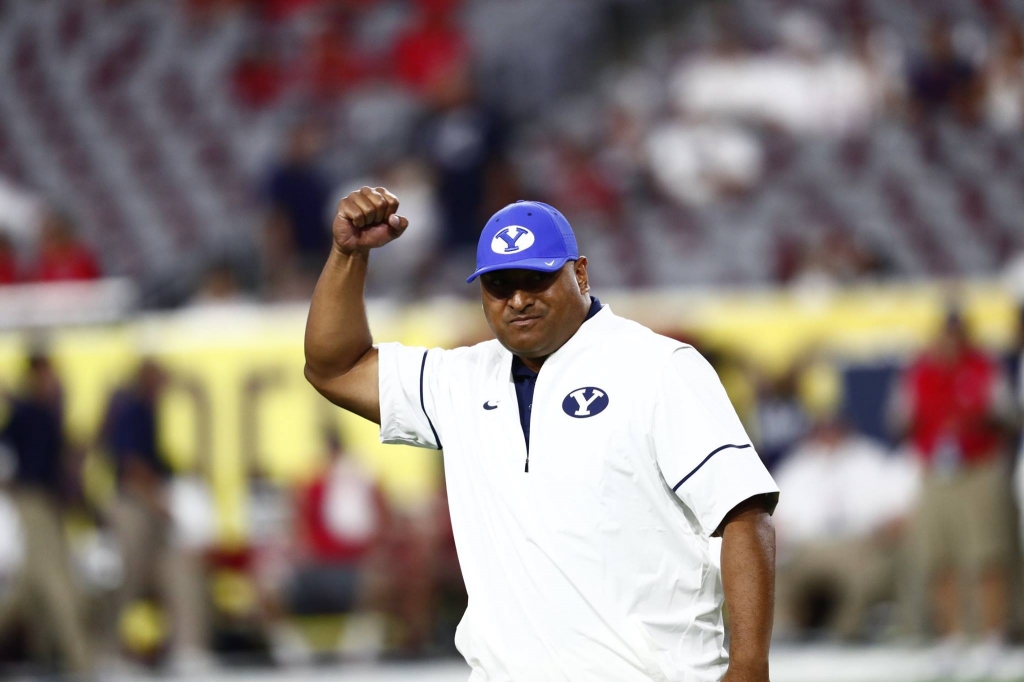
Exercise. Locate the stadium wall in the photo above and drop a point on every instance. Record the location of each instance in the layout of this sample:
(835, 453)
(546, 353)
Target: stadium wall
(239, 403)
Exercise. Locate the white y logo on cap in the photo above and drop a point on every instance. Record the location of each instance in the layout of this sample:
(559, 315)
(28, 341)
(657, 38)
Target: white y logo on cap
(512, 239)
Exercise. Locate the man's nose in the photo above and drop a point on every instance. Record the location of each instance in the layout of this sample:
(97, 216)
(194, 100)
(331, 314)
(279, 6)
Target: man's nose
(520, 300)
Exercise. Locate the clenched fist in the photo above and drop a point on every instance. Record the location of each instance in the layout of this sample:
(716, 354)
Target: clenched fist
(366, 219)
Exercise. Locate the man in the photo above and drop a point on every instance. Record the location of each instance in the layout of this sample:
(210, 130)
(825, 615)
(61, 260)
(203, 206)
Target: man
(341, 519)
(955, 405)
(44, 593)
(62, 256)
(300, 192)
(8, 260)
(584, 532)
(141, 518)
(840, 524)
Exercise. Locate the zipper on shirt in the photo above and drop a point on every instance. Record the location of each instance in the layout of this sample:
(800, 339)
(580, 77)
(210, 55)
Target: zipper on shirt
(526, 469)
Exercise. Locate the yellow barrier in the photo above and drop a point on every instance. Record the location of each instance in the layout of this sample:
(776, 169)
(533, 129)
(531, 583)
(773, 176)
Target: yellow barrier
(240, 400)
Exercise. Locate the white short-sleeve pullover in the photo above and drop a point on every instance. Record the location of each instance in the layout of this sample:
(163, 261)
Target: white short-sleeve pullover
(596, 563)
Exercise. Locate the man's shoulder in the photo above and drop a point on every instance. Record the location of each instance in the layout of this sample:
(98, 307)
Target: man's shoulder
(478, 355)
(640, 338)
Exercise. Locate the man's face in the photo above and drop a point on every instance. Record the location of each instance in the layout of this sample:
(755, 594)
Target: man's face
(533, 313)
(43, 384)
(953, 339)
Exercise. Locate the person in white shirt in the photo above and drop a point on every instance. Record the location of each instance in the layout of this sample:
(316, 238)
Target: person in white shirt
(591, 465)
(840, 525)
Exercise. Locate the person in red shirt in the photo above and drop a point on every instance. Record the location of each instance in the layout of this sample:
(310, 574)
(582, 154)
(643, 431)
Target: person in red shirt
(339, 547)
(333, 65)
(341, 512)
(355, 555)
(258, 79)
(8, 261)
(433, 48)
(954, 404)
(61, 256)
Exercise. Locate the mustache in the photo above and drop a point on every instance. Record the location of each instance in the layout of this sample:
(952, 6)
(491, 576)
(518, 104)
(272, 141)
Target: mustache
(518, 317)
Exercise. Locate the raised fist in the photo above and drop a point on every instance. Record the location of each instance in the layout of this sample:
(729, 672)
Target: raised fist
(366, 219)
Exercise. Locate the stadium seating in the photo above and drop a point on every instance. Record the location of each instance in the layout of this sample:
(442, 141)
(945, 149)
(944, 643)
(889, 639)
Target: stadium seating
(124, 112)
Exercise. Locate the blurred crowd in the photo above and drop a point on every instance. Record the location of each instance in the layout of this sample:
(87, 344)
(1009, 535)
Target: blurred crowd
(815, 144)
(899, 522)
(110, 559)
(757, 142)
(59, 256)
(912, 533)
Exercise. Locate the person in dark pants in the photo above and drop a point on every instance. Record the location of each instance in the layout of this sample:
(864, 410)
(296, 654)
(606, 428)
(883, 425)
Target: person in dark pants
(44, 591)
(141, 518)
(300, 193)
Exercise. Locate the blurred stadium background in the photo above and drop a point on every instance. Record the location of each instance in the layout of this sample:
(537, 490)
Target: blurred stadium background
(825, 196)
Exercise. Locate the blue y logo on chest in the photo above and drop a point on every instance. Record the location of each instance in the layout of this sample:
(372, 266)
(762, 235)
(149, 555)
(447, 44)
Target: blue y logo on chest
(585, 402)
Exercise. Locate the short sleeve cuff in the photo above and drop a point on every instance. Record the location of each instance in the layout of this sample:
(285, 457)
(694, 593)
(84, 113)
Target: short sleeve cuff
(728, 476)
(403, 419)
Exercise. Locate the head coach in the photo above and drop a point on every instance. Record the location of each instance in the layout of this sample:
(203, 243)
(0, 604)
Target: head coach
(589, 461)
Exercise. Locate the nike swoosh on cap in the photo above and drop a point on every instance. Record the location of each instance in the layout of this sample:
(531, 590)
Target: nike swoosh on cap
(549, 262)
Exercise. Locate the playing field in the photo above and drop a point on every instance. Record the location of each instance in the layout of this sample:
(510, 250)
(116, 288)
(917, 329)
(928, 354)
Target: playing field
(811, 664)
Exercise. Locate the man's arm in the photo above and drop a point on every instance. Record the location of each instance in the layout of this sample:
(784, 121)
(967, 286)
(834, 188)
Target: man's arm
(899, 408)
(341, 362)
(748, 577)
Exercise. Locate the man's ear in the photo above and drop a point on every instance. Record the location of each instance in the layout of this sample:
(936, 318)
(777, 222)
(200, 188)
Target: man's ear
(582, 279)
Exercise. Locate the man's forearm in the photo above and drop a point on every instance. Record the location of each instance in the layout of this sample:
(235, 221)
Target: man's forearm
(748, 577)
(341, 362)
(337, 332)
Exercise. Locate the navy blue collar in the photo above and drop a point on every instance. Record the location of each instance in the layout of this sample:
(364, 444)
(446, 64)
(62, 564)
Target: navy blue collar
(519, 368)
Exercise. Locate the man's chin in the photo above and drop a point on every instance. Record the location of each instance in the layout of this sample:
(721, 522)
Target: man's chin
(523, 345)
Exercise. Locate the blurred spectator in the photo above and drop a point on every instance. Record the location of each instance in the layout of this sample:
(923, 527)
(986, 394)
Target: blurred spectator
(266, 561)
(204, 11)
(342, 518)
(44, 594)
(954, 404)
(141, 518)
(12, 538)
(283, 10)
(219, 285)
(397, 271)
(780, 420)
(354, 555)
(8, 260)
(257, 79)
(841, 525)
(880, 61)
(1004, 79)
(20, 211)
(829, 258)
(61, 255)
(433, 48)
(463, 142)
(1016, 374)
(300, 191)
(282, 277)
(700, 163)
(800, 87)
(581, 187)
(333, 63)
(941, 81)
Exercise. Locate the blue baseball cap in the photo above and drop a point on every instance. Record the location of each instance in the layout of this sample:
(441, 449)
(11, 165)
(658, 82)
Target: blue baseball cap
(530, 235)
